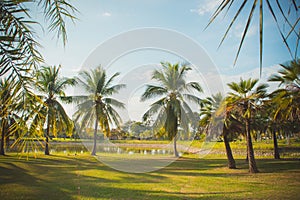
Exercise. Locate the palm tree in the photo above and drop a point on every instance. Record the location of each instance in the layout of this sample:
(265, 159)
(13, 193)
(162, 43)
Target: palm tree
(287, 100)
(283, 13)
(9, 96)
(173, 91)
(97, 105)
(244, 99)
(215, 118)
(49, 110)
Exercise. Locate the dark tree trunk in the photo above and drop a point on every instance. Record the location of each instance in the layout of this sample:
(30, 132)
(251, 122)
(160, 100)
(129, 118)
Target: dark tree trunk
(95, 138)
(2, 151)
(247, 158)
(276, 150)
(7, 143)
(250, 151)
(231, 161)
(47, 146)
(47, 137)
(175, 147)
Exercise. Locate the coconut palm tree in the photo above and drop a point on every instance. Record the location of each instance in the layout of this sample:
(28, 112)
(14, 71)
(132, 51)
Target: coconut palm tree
(173, 91)
(244, 99)
(97, 105)
(217, 120)
(49, 111)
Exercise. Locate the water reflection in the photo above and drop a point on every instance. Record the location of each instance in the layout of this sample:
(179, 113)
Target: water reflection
(131, 151)
(79, 148)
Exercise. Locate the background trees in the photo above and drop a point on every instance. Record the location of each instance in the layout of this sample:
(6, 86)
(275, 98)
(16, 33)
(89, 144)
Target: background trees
(171, 108)
(98, 105)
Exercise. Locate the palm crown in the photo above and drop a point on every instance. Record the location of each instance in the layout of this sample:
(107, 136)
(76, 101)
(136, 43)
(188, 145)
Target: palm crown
(288, 76)
(98, 103)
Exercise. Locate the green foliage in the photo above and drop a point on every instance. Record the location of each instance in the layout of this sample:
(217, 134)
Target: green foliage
(289, 75)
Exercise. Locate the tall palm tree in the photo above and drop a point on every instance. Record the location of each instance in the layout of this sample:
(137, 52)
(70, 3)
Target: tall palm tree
(173, 91)
(216, 118)
(49, 111)
(98, 105)
(244, 99)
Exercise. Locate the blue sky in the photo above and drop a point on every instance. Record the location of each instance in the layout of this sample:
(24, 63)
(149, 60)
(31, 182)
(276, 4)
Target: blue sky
(100, 20)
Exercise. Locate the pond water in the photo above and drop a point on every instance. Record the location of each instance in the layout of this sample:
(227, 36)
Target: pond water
(79, 148)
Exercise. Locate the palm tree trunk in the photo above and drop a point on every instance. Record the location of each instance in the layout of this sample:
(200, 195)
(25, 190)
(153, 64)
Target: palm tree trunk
(231, 161)
(2, 152)
(247, 158)
(175, 147)
(95, 138)
(250, 151)
(276, 150)
(47, 137)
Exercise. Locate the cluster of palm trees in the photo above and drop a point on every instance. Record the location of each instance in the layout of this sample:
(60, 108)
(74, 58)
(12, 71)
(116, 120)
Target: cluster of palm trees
(31, 109)
(248, 108)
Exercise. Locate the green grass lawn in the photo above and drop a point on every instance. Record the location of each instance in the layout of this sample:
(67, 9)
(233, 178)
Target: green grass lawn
(63, 176)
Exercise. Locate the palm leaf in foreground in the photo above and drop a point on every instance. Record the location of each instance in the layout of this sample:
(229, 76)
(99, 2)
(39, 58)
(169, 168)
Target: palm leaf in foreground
(287, 10)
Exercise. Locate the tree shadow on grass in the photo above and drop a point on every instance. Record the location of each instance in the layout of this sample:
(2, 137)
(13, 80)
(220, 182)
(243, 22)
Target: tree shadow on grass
(272, 165)
(75, 177)
(96, 192)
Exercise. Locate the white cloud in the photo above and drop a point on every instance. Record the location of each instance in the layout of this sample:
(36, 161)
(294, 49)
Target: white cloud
(206, 7)
(106, 14)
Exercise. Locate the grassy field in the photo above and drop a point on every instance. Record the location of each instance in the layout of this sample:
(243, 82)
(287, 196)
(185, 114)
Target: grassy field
(81, 176)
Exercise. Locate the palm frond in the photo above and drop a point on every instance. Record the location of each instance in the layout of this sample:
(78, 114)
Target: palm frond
(56, 12)
(287, 19)
(113, 102)
(153, 91)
